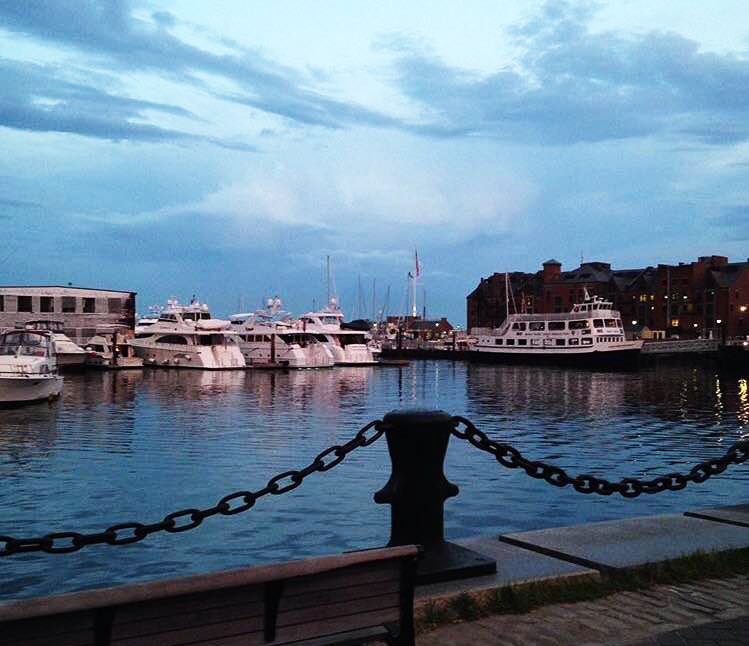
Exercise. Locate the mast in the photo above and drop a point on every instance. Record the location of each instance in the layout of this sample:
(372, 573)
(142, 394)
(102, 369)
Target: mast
(374, 310)
(327, 280)
(414, 277)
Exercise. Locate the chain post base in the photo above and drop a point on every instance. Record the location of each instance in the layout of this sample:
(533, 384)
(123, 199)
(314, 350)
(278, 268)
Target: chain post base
(416, 492)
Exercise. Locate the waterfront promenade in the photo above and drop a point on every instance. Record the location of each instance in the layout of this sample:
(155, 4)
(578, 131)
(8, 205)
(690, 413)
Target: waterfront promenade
(702, 611)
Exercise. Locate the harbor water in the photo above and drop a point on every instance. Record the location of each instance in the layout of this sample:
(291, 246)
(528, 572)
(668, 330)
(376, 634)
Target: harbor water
(137, 445)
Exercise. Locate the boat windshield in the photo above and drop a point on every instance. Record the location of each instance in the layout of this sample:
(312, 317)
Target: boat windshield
(329, 320)
(23, 343)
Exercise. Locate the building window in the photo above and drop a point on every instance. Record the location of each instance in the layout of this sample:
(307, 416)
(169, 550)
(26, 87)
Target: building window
(89, 305)
(24, 304)
(674, 322)
(46, 304)
(114, 305)
(68, 304)
(2, 303)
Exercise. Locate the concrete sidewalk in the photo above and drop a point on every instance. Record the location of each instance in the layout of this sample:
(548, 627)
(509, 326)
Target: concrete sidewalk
(709, 612)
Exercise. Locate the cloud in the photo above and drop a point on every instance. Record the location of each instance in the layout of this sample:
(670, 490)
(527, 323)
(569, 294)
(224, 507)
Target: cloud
(109, 30)
(571, 85)
(735, 221)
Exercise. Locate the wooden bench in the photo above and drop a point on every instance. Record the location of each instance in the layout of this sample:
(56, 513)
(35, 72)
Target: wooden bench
(347, 598)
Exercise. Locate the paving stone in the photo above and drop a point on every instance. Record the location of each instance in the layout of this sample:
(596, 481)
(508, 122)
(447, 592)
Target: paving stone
(514, 565)
(613, 545)
(735, 514)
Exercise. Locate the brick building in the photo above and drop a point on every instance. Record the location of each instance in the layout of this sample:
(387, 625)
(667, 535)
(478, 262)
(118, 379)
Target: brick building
(83, 311)
(687, 299)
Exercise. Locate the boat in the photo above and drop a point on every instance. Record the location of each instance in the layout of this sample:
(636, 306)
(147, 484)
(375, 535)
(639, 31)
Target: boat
(592, 330)
(187, 336)
(268, 338)
(28, 367)
(145, 321)
(110, 349)
(70, 356)
(349, 347)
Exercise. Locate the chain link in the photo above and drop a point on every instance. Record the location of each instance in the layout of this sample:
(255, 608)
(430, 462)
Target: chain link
(186, 519)
(511, 458)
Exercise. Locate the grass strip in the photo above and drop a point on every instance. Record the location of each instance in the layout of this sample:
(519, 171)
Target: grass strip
(524, 597)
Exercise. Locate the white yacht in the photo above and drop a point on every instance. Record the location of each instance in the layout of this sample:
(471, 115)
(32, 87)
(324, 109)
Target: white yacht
(69, 354)
(592, 329)
(186, 336)
(268, 337)
(349, 347)
(28, 367)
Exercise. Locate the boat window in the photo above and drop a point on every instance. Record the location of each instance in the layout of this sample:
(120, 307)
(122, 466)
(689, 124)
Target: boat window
(559, 341)
(172, 338)
(188, 316)
(518, 326)
(522, 341)
(611, 323)
(144, 335)
(535, 341)
(205, 316)
(536, 326)
(497, 341)
(586, 341)
(510, 341)
(618, 323)
(579, 325)
(574, 341)
(329, 320)
(598, 323)
(556, 325)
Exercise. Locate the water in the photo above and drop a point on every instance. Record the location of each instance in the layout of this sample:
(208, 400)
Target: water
(137, 445)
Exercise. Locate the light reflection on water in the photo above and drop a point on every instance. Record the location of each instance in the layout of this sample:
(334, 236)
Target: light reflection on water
(137, 445)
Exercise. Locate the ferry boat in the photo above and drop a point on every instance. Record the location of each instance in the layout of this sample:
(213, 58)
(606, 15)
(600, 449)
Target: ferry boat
(592, 330)
(267, 337)
(349, 347)
(187, 336)
(28, 367)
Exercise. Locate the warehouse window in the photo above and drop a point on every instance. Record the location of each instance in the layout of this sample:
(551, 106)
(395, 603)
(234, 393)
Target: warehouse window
(24, 304)
(68, 304)
(46, 304)
(89, 305)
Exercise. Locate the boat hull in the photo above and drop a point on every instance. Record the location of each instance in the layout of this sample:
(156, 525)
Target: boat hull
(188, 356)
(24, 389)
(571, 357)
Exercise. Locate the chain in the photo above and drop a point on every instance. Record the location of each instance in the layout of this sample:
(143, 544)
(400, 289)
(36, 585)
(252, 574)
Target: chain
(185, 519)
(511, 458)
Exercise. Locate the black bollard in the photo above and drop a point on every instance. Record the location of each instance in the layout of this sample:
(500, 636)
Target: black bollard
(416, 492)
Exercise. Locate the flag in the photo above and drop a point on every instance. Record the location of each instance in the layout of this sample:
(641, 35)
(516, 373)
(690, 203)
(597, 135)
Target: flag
(416, 254)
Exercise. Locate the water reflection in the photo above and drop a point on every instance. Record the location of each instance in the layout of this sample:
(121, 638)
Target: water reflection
(136, 445)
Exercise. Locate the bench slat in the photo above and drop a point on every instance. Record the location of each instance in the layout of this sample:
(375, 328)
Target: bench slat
(188, 603)
(70, 626)
(335, 625)
(362, 574)
(205, 634)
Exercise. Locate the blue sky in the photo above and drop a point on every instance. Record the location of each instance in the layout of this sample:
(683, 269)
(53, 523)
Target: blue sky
(225, 149)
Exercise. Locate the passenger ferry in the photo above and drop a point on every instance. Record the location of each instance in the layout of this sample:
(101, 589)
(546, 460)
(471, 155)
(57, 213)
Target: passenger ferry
(591, 330)
(187, 336)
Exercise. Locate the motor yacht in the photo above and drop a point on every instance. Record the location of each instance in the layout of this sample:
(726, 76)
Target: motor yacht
(28, 367)
(349, 347)
(187, 336)
(268, 337)
(111, 351)
(70, 356)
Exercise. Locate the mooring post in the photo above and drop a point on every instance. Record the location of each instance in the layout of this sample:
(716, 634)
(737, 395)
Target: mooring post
(417, 441)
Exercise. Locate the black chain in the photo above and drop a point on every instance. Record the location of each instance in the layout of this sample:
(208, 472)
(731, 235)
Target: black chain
(185, 519)
(511, 458)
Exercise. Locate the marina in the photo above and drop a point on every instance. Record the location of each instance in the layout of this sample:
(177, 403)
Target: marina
(137, 444)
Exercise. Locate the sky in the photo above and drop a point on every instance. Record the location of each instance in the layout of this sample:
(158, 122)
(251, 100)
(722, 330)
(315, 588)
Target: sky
(226, 149)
